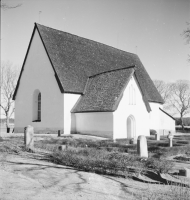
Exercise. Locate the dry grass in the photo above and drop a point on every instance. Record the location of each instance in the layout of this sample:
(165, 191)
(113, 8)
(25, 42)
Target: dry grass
(107, 157)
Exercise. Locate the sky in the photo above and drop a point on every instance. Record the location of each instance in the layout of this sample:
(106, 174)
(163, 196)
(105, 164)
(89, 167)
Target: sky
(150, 28)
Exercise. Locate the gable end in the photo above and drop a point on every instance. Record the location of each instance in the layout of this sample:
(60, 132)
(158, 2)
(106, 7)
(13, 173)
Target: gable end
(22, 69)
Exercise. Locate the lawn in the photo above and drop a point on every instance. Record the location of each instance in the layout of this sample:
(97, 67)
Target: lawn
(114, 158)
(105, 157)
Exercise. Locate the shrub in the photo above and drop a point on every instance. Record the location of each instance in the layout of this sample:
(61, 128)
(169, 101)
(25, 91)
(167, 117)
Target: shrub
(159, 165)
(97, 160)
(152, 132)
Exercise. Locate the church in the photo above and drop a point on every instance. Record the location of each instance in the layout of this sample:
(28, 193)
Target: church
(77, 85)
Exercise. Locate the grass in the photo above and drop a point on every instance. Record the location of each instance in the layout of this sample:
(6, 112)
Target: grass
(105, 157)
(160, 149)
(173, 192)
(112, 158)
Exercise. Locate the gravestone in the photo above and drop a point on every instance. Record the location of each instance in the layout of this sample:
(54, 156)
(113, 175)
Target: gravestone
(29, 137)
(184, 172)
(62, 147)
(170, 138)
(157, 136)
(133, 141)
(142, 149)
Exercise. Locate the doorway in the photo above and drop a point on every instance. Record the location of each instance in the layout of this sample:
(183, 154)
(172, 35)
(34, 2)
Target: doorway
(131, 127)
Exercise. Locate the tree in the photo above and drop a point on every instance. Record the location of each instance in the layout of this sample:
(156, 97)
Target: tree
(180, 98)
(163, 88)
(186, 35)
(9, 75)
(5, 6)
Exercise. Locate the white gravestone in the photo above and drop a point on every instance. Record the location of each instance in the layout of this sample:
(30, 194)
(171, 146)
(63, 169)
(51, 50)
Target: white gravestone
(157, 136)
(170, 138)
(142, 149)
(62, 147)
(29, 137)
(133, 141)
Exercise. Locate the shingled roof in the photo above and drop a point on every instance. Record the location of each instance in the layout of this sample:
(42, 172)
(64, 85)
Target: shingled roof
(104, 91)
(75, 59)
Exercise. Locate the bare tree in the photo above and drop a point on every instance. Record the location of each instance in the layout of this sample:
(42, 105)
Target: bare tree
(180, 98)
(163, 88)
(5, 6)
(9, 75)
(186, 35)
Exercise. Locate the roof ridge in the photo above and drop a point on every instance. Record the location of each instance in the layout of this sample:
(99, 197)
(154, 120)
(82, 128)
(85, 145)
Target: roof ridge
(133, 66)
(88, 39)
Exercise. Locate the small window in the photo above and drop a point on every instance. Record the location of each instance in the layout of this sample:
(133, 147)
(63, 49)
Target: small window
(39, 106)
(132, 95)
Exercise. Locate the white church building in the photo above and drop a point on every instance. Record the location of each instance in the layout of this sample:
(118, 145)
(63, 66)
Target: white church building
(77, 85)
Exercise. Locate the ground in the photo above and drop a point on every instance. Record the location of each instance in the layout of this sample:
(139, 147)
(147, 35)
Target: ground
(28, 176)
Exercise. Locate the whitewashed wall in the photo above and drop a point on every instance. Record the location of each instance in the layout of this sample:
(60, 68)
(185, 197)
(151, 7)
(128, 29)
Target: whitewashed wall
(38, 74)
(69, 101)
(155, 116)
(166, 123)
(124, 110)
(95, 123)
(160, 121)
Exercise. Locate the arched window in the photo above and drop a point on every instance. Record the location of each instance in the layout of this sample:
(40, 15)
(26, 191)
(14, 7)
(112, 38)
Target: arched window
(39, 106)
(36, 106)
(132, 95)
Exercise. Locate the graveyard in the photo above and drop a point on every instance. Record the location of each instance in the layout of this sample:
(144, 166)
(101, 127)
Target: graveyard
(155, 167)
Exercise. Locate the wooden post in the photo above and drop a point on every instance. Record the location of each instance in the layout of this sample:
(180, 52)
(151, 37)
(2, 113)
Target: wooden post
(59, 133)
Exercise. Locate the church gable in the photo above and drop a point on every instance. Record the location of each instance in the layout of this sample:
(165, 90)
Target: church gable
(38, 75)
(104, 91)
(36, 52)
(133, 97)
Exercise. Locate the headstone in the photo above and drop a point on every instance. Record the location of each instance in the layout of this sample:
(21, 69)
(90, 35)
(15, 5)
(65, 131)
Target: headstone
(59, 133)
(142, 149)
(184, 172)
(29, 137)
(170, 138)
(62, 147)
(133, 141)
(8, 130)
(157, 136)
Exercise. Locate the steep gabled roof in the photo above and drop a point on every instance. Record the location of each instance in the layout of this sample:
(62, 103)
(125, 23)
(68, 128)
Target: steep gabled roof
(104, 91)
(75, 59)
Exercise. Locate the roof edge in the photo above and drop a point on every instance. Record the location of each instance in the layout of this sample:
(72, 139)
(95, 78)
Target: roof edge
(146, 102)
(115, 106)
(22, 69)
(56, 76)
(87, 39)
(133, 66)
(124, 88)
(92, 111)
(167, 114)
(155, 102)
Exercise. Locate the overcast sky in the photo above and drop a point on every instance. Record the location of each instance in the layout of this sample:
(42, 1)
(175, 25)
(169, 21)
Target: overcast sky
(150, 28)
